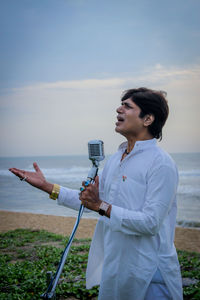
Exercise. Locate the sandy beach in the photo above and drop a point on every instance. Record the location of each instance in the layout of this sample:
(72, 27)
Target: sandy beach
(185, 238)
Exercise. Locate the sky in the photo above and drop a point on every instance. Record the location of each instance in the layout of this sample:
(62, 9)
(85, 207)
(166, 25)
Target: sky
(64, 65)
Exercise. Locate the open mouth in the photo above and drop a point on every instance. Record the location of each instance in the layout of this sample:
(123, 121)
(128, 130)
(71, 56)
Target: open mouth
(120, 119)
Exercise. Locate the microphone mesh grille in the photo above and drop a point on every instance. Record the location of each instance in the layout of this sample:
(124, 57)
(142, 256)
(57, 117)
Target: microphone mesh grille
(94, 150)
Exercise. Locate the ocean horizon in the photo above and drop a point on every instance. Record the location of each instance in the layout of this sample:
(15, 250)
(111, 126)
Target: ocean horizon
(71, 170)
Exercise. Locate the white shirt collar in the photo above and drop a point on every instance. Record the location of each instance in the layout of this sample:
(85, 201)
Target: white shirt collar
(139, 145)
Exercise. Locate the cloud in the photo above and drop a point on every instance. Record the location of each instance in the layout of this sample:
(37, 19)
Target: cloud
(85, 84)
(156, 75)
(75, 111)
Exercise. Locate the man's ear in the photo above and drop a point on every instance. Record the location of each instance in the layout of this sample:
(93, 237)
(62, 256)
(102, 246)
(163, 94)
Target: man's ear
(148, 120)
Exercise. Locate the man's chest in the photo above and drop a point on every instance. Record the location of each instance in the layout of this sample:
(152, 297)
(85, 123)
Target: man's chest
(126, 182)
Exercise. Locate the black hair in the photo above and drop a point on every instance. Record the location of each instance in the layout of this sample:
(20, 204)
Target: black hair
(150, 102)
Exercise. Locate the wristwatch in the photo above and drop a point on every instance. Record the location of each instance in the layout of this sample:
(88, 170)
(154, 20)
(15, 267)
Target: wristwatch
(103, 208)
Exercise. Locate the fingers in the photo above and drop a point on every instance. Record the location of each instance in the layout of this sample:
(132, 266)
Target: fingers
(96, 182)
(23, 179)
(89, 195)
(36, 167)
(82, 188)
(14, 170)
(87, 184)
(84, 185)
(18, 172)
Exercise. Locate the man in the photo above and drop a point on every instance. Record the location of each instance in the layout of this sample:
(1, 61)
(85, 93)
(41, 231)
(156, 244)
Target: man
(132, 254)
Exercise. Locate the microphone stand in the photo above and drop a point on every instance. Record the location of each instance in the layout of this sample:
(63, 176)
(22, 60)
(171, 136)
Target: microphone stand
(50, 292)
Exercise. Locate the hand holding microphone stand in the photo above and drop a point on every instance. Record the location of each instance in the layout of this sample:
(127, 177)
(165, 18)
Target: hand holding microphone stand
(96, 154)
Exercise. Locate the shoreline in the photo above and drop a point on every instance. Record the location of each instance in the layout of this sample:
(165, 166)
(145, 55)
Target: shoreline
(185, 238)
(74, 214)
(94, 216)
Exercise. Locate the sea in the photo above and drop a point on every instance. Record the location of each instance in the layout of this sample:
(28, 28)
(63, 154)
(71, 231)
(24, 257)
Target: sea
(71, 170)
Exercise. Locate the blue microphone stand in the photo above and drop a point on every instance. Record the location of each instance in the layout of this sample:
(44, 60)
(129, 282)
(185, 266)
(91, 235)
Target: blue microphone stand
(50, 292)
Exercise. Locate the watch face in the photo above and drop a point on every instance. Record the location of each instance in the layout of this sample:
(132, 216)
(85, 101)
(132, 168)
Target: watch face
(103, 208)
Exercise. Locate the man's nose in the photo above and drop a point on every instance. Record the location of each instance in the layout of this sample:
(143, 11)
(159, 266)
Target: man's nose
(119, 109)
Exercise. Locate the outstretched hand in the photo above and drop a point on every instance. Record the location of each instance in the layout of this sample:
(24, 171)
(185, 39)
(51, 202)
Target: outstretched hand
(36, 178)
(90, 195)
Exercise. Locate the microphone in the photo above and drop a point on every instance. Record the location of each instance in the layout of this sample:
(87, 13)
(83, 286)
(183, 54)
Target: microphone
(96, 150)
(96, 154)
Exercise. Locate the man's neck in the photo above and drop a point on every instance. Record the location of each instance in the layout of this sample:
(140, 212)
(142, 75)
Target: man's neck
(132, 140)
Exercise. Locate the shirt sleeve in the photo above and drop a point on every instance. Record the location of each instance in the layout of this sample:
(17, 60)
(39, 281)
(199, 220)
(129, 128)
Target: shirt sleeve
(161, 192)
(70, 197)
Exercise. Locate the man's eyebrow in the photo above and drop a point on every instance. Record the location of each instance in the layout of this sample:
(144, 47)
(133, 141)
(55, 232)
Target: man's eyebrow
(127, 104)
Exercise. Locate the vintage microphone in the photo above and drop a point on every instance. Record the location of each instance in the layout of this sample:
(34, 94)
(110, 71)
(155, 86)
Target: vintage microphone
(96, 154)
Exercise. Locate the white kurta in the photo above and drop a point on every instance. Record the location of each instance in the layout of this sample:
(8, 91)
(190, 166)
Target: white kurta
(138, 239)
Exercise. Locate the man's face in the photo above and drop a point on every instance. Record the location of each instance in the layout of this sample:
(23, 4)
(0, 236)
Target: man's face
(128, 121)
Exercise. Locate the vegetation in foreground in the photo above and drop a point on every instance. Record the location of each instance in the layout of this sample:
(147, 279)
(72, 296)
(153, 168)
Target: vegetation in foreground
(26, 256)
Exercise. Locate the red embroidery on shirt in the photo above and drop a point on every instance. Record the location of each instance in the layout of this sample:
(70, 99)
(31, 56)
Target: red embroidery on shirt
(124, 178)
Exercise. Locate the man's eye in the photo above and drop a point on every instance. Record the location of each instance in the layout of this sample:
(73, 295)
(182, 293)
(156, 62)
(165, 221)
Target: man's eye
(126, 105)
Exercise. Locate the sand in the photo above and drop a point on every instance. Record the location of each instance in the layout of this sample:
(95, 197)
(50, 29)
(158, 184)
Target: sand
(185, 238)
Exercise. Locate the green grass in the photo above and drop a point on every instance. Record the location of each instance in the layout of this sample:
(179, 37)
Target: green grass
(26, 256)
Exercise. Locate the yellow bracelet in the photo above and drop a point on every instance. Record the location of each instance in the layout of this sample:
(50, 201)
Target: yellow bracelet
(55, 192)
